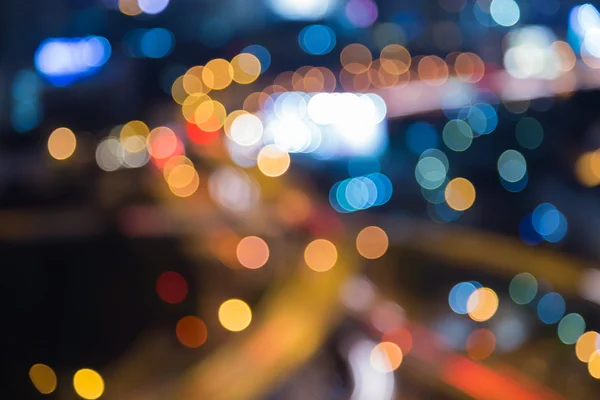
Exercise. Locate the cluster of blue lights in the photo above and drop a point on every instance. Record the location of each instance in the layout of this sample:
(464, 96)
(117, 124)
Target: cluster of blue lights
(360, 193)
(550, 308)
(545, 223)
(63, 61)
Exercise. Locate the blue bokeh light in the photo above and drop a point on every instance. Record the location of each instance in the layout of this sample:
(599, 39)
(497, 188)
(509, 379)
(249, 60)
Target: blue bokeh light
(63, 61)
(551, 308)
(459, 296)
(483, 118)
(570, 328)
(550, 223)
(317, 39)
(157, 43)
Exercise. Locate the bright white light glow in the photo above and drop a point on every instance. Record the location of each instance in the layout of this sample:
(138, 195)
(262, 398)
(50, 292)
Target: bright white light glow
(306, 10)
(505, 12)
(153, 6)
(246, 130)
(530, 54)
(369, 384)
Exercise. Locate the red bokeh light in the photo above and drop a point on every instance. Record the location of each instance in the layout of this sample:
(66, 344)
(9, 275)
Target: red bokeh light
(171, 287)
(198, 136)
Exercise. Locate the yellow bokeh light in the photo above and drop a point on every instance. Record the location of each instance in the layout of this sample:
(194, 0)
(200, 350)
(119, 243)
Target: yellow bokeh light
(594, 365)
(43, 378)
(174, 162)
(587, 169)
(62, 143)
(133, 136)
(397, 57)
(217, 74)
(320, 255)
(586, 346)
(246, 68)
(272, 161)
(88, 384)
(482, 304)
(130, 7)
(460, 194)
(356, 58)
(372, 242)
(178, 92)
(192, 81)
(235, 315)
(189, 189)
(386, 357)
(210, 116)
(133, 128)
(252, 252)
(192, 103)
(181, 176)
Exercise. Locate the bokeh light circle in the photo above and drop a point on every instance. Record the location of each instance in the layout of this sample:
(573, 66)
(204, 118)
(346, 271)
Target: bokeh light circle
(460, 194)
(252, 252)
(62, 143)
(43, 378)
(523, 288)
(320, 255)
(551, 308)
(482, 304)
(372, 242)
(459, 297)
(570, 328)
(272, 161)
(512, 166)
(88, 384)
(586, 346)
(235, 315)
(191, 331)
(246, 68)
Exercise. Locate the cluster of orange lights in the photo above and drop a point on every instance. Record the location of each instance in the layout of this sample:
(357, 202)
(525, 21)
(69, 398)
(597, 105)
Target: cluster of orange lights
(192, 89)
(395, 66)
